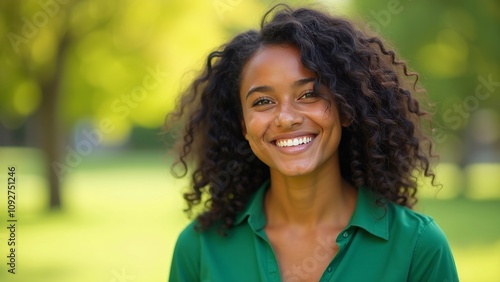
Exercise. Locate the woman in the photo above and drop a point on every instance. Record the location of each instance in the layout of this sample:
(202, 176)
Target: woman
(305, 138)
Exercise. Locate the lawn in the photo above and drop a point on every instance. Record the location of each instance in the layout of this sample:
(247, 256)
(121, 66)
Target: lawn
(123, 212)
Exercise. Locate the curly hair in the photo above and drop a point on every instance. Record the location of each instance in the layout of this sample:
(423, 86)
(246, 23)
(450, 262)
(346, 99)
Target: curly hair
(381, 149)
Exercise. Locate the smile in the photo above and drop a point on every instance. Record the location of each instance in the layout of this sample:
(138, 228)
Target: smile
(293, 141)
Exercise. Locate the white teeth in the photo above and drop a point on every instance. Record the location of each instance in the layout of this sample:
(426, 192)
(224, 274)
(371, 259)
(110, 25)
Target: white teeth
(293, 142)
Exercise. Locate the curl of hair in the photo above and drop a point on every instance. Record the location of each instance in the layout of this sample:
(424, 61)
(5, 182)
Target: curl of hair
(381, 149)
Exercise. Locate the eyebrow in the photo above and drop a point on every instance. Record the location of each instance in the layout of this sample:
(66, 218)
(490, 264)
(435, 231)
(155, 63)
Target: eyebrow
(265, 88)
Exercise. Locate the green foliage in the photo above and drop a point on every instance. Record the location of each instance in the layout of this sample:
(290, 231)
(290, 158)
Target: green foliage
(454, 46)
(121, 60)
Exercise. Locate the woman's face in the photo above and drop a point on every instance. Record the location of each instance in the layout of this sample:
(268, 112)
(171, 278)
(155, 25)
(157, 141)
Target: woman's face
(289, 126)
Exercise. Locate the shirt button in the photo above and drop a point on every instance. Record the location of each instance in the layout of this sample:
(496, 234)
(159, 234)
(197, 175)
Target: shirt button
(345, 235)
(329, 269)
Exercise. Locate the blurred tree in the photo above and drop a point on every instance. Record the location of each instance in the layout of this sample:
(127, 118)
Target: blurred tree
(454, 47)
(77, 75)
(31, 77)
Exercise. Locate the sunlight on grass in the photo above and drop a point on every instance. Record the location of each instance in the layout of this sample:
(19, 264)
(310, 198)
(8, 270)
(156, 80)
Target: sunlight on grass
(483, 180)
(114, 221)
(479, 262)
(477, 181)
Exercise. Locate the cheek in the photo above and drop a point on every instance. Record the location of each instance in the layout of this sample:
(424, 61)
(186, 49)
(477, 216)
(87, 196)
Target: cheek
(256, 133)
(331, 117)
(252, 129)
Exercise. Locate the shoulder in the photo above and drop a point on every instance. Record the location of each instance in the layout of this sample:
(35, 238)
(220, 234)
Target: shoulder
(188, 236)
(405, 220)
(186, 258)
(431, 257)
(422, 228)
(208, 254)
(408, 216)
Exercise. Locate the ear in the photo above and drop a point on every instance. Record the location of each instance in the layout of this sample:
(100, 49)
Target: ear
(345, 122)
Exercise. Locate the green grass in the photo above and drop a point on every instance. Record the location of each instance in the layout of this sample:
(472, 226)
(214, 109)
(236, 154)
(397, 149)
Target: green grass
(473, 230)
(123, 212)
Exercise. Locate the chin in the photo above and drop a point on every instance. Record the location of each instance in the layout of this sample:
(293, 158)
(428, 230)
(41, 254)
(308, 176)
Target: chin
(295, 170)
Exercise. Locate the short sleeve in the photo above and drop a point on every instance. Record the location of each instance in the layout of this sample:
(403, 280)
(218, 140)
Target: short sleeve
(186, 258)
(432, 257)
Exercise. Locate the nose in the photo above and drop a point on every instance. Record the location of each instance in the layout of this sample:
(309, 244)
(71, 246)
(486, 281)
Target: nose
(288, 116)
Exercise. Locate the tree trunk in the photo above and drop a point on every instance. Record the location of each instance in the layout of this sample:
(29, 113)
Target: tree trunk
(50, 130)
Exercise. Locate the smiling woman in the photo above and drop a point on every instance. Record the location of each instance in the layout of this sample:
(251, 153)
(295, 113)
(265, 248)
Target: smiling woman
(281, 111)
(304, 139)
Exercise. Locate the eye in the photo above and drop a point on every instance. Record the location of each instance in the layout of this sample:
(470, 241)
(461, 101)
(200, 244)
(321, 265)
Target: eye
(262, 102)
(309, 94)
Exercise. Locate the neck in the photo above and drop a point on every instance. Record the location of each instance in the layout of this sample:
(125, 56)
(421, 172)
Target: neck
(310, 201)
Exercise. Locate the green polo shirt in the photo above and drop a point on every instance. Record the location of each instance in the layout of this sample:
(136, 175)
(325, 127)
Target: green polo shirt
(396, 244)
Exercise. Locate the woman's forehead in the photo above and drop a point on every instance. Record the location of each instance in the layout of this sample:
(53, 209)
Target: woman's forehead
(278, 62)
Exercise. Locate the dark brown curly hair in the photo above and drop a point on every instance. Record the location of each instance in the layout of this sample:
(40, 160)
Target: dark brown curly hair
(382, 149)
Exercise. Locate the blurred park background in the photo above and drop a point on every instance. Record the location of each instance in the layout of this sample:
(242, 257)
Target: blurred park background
(85, 86)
